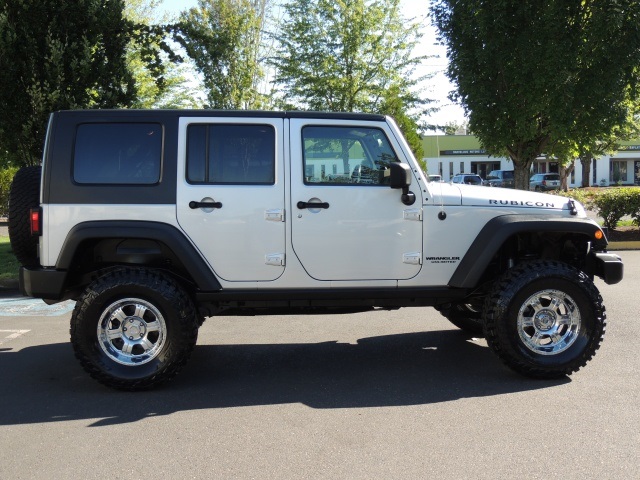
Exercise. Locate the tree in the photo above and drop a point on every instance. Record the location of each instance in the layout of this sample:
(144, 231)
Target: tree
(161, 76)
(57, 54)
(456, 128)
(223, 38)
(531, 74)
(350, 56)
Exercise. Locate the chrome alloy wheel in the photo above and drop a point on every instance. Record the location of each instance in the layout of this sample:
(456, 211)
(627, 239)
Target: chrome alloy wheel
(549, 322)
(131, 331)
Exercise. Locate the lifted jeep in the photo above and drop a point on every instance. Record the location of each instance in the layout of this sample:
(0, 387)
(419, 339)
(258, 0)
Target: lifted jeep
(153, 220)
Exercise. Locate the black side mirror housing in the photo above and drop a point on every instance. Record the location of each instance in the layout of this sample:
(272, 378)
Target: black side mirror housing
(401, 178)
(400, 175)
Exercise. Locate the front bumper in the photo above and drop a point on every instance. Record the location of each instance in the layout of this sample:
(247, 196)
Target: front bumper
(607, 266)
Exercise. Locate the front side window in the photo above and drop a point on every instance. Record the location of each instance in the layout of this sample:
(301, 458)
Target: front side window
(346, 155)
(118, 153)
(231, 154)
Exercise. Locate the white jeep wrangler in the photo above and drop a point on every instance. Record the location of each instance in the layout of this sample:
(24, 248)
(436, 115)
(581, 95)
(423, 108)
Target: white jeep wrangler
(154, 220)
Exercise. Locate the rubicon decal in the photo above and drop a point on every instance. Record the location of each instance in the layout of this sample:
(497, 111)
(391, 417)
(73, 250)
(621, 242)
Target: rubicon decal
(442, 259)
(522, 203)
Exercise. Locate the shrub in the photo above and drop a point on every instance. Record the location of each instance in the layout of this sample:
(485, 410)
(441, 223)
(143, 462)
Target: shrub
(611, 204)
(6, 177)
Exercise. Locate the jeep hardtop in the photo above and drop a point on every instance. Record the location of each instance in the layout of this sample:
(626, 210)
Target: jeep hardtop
(153, 220)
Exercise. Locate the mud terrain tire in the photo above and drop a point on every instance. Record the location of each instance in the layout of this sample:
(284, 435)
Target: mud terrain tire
(544, 319)
(23, 196)
(133, 329)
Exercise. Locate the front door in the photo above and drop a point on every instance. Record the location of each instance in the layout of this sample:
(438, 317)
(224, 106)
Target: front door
(230, 198)
(347, 223)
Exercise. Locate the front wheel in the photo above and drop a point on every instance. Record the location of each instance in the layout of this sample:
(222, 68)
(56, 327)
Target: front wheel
(545, 319)
(133, 329)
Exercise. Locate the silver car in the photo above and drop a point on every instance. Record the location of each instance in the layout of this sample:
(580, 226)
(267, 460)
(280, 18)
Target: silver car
(541, 182)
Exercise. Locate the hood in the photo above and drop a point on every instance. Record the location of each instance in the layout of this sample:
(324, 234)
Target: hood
(520, 201)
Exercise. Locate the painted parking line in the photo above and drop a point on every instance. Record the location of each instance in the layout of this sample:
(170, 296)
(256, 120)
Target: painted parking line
(33, 307)
(7, 335)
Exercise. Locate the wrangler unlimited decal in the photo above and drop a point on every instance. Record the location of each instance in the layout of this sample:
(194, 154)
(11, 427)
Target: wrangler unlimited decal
(443, 259)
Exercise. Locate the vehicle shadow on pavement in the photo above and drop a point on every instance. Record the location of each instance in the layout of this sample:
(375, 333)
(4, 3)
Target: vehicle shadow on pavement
(45, 383)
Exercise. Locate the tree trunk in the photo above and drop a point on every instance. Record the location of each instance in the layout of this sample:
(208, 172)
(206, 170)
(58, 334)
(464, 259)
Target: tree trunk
(565, 171)
(522, 173)
(585, 161)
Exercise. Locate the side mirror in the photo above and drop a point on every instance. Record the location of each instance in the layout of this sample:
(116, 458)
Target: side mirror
(400, 175)
(401, 178)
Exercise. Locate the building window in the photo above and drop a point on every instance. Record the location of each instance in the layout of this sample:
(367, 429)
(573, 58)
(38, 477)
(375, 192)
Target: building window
(618, 171)
(461, 167)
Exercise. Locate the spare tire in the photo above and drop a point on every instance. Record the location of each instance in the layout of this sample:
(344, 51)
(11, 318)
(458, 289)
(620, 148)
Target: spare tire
(23, 196)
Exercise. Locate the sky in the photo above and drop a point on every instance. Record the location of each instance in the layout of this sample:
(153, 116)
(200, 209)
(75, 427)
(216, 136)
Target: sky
(437, 88)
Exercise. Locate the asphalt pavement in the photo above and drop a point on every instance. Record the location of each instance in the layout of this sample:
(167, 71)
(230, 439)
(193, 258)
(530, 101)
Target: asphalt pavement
(380, 394)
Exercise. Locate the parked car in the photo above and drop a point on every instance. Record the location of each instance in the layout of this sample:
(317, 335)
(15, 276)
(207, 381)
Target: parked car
(468, 178)
(501, 178)
(542, 182)
(434, 178)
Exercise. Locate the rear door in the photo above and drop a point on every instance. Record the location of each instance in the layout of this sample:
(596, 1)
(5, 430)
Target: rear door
(230, 198)
(347, 223)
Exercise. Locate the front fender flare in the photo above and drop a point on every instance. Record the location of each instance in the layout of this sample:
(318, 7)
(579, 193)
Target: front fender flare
(499, 229)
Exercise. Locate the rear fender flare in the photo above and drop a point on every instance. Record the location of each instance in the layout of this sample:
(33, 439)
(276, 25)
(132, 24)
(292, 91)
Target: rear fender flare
(163, 233)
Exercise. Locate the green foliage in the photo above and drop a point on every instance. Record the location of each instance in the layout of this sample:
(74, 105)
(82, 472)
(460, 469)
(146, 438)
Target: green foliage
(9, 265)
(223, 38)
(350, 56)
(611, 204)
(58, 54)
(542, 76)
(161, 78)
(6, 177)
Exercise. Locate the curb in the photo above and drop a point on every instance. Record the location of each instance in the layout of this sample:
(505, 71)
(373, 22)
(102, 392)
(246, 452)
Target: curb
(624, 246)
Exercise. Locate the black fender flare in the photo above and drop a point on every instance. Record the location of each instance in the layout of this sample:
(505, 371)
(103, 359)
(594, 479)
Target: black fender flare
(499, 229)
(164, 233)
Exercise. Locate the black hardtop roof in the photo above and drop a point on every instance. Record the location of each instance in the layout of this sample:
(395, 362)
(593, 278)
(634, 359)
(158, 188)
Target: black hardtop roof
(161, 113)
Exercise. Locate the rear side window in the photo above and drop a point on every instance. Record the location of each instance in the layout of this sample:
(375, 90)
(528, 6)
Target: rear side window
(118, 153)
(231, 154)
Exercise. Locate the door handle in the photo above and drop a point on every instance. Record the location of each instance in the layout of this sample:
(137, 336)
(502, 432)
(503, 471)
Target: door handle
(303, 205)
(193, 205)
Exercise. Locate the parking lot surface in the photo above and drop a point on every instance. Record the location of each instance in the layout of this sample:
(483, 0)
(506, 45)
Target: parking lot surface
(379, 394)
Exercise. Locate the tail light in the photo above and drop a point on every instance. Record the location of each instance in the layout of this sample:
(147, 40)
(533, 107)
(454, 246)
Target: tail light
(544, 183)
(35, 220)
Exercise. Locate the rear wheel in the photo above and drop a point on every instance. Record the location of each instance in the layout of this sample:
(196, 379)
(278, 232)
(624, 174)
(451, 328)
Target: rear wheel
(466, 317)
(133, 329)
(545, 319)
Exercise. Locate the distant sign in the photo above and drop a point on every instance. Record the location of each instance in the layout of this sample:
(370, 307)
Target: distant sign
(628, 147)
(463, 152)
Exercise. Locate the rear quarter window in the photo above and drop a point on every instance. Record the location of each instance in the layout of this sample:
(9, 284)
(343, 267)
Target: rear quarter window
(118, 153)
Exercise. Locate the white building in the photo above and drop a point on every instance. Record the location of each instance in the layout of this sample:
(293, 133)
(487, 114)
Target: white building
(448, 155)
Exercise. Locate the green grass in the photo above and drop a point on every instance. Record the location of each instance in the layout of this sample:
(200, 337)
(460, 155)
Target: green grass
(8, 264)
(626, 223)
